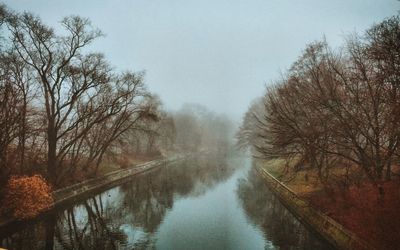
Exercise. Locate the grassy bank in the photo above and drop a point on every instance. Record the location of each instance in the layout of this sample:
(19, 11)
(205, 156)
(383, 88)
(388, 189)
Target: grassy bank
(358, 208)
(302, 182)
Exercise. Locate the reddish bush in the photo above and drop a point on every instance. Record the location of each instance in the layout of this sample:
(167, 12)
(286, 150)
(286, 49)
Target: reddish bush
(27, 196)
(362, 211)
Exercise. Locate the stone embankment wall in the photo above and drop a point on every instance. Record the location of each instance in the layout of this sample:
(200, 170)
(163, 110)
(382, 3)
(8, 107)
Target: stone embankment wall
(328, 228)
(71, 193)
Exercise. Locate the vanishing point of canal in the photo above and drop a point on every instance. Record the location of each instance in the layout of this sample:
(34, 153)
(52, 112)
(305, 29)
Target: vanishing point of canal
(202, 203)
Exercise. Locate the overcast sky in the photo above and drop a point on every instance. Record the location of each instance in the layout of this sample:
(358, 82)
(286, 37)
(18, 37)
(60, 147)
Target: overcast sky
(219, 53)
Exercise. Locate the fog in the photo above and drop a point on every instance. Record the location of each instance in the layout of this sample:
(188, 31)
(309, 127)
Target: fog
(217, 53)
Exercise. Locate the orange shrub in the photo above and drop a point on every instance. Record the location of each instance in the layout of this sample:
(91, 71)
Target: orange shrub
(27, 196)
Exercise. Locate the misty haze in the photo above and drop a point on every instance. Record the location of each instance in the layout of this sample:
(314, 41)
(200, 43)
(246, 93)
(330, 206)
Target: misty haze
(147, 124)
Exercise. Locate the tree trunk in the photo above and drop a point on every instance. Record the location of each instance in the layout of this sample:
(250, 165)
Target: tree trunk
(389, 171)
(52, 152)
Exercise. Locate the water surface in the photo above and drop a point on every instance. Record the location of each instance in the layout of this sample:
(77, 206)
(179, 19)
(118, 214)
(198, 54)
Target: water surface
(208, 202)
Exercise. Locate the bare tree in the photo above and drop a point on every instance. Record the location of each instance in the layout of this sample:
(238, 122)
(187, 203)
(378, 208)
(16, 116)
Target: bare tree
(338, 108)
(86, 107)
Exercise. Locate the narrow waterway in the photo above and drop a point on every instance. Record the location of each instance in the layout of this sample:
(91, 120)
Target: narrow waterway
(203, 203)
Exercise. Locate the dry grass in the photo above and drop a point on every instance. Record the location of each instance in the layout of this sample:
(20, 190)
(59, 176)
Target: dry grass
(301, 182)
(359, 208)
(121, 162)
(363, 211)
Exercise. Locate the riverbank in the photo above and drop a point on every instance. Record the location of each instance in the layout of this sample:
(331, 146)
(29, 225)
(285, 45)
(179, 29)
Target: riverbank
(359, 208)
(79, 190)
(328, 228)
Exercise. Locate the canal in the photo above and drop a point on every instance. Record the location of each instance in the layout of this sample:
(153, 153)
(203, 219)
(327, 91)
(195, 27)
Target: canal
(202, 203)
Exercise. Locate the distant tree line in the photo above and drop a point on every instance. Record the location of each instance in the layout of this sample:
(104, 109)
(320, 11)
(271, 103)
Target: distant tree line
(200, 129)
(334, 109)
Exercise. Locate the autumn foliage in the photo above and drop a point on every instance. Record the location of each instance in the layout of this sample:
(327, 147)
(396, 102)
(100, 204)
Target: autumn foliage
(363, 211)
(27, 196)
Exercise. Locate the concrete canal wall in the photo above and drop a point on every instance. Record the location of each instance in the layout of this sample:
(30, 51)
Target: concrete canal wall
(73, 192)
(79, 190)
(332, 231)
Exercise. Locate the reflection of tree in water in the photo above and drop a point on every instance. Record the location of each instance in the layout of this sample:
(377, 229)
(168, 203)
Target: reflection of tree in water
(127, 215)
(31, 237)
(265, 210)
(147, 198)
(89, 226)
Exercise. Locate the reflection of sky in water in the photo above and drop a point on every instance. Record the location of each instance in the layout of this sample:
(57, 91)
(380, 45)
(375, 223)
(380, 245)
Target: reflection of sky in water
(135, 235)
(110, 198)
(206, 203)
(214, 220)
(206, 219)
